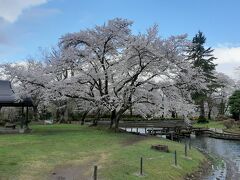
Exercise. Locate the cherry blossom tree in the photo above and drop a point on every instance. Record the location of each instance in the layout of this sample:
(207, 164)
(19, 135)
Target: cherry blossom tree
(223, 93)
(118, 70)
(108, 68)
(19, 74)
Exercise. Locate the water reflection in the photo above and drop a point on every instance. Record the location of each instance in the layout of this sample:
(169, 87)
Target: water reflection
(228, 150)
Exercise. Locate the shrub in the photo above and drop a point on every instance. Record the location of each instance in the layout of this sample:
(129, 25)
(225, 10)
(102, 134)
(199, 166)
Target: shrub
(237, 124)
(202, 120)
(221, 118)
(228, 123)
(194, 118)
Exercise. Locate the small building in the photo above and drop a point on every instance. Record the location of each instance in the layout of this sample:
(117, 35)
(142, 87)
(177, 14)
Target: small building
(9, 99)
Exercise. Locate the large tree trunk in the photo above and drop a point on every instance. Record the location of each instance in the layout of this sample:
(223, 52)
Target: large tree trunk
(210, 107)
(163, 115)
(58, 115)
(67, 116)
(202, 111)
(62, 117)
(118, 117)
(83, 117)
(35, 113)
(113, 117)
(173, 114)
(95, 120)
(131, 111)
(222, 108)
(209, 113)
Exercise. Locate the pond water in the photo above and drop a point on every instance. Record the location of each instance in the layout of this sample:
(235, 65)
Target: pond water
(226, 151)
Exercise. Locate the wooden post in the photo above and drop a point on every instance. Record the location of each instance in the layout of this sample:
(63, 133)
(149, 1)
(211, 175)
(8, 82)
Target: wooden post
(185, 148)
(22, 120)
(141, 166)
(145, 130)
(26, 123)
(131, 129)
(190, 145)
(137, 130)
(95, 173)
(175, 158)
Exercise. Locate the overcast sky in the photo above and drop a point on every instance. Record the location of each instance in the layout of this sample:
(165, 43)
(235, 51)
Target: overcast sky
(27, 25)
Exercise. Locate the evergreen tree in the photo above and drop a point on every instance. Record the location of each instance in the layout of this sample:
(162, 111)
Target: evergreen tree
(202, 58)
(234, 105)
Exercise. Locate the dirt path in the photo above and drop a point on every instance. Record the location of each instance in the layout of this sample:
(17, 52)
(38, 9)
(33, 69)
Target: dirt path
(72, 172)
(83, 171)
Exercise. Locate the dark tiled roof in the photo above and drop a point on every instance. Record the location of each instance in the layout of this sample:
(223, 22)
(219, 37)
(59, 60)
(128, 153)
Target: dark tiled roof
(8, 97)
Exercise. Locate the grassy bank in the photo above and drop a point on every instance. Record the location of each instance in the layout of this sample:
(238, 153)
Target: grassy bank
(219, 125)
(235, 130)
(210, 124)
(59, 148)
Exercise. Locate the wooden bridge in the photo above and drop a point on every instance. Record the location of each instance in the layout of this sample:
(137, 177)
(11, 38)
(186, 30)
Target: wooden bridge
(155, 127)
(173, 129)
(171, 124)
(215, 134)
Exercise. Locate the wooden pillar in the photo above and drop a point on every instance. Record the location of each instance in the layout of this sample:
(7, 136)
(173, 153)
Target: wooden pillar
(26, 123)
(95, 173)
(141, 166)
(22, 117)
(175, 158)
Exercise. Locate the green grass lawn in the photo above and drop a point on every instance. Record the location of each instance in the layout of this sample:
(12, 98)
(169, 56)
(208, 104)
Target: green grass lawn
(210, 124)
(36, 155)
